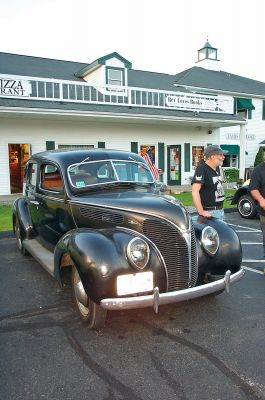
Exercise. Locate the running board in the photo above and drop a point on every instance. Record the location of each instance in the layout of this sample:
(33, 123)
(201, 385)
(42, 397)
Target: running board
(41, 254)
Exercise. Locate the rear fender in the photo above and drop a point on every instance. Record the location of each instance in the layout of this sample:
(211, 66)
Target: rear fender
(100, 256)
(21, 213)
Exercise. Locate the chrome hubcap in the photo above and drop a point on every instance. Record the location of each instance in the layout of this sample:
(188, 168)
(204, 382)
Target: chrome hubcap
(246, 207)
(80, 294)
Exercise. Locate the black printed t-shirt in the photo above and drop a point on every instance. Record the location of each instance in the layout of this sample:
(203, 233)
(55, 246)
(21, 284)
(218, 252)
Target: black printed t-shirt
(257, 181)
(212, 192)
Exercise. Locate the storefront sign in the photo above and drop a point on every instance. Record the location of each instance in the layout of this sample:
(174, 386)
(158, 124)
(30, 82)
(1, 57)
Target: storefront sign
(250, 136)
(13, 87)
(197, 102)
(232, 136)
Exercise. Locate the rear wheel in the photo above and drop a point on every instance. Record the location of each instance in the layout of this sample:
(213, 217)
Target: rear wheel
(90, 313)
(246, 206)
(19, 240)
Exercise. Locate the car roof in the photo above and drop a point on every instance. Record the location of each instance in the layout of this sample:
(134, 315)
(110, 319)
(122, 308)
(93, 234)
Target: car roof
(67, 157)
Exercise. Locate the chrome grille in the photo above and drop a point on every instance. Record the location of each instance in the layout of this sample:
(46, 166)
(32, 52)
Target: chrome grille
(101, 215)
(194, 258)
(175, 252)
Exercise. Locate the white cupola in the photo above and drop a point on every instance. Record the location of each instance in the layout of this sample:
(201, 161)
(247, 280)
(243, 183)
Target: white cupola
(207, 57)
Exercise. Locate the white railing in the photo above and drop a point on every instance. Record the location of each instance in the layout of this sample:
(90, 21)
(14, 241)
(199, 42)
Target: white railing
(11, 86)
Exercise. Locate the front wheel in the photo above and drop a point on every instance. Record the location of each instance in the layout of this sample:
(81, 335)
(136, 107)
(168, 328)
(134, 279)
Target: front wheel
(246, 206)
(92, 315)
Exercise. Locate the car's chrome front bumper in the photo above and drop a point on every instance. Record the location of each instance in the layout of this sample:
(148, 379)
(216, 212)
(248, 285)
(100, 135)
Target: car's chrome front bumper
(157, 299)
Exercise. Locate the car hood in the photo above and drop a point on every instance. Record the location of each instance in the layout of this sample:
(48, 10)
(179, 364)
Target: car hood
(166, 207)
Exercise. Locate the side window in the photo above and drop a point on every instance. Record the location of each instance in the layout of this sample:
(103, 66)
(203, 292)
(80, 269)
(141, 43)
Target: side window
(115, 76)
(31, 177)
(51, 178)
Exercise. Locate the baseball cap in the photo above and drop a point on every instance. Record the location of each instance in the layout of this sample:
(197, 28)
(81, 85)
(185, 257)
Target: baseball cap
(212, 150)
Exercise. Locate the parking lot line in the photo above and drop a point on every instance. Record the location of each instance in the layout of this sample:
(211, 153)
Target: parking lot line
(246, 231)
(251, 242)
(254, 270)
(255, 261)
(244, 227)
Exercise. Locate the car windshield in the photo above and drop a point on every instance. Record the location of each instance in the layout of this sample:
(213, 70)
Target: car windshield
(94, 173)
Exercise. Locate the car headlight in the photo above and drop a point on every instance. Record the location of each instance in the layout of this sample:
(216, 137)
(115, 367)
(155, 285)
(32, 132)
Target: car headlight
(210, 240)
(138, 252)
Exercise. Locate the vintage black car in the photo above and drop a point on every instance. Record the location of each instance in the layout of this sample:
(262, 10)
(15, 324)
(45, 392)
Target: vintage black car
(247, 207)
(99, 215)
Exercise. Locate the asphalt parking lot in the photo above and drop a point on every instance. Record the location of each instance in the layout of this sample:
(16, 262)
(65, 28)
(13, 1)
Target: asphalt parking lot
(209, 348)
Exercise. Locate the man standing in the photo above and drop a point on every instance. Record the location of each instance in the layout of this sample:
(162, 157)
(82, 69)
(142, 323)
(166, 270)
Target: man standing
(257, 190)
(207, 190)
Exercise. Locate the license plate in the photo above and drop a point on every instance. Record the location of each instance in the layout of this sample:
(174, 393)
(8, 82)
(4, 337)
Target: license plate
(135, 283)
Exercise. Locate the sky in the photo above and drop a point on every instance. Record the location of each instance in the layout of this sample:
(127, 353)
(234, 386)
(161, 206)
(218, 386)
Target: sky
(154, 35)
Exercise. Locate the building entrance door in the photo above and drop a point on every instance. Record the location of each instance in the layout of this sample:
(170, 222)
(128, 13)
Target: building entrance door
(173, 164)
(18, 156)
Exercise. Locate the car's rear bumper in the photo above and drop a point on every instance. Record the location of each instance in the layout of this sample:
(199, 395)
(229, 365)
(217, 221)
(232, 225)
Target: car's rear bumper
(156, 299)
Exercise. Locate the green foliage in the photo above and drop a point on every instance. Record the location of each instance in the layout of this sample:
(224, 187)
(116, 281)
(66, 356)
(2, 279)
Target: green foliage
(186, 198)
(6, 218)
(231, 174)
(259, 157)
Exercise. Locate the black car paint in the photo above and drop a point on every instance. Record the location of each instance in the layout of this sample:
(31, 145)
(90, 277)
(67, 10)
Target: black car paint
(229, 252)
(240, 192)
(90, 250)
(93, 242)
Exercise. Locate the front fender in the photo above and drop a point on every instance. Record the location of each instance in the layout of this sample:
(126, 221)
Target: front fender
(100, 256)
(240, 192)
(229, 253)
(21, 212)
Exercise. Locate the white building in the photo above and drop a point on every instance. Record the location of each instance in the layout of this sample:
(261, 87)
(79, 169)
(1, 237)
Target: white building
(46, 104)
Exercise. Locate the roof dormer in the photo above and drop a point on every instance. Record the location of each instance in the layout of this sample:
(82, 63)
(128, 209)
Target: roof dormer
(110, 70)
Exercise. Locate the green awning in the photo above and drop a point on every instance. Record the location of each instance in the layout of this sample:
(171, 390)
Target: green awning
(244, 104)
(231, 148)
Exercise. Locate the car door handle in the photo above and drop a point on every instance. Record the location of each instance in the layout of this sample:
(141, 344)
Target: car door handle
(35, 202)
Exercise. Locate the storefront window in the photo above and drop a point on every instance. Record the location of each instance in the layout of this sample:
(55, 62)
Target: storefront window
(197, 155)
(231, 161)
(145, 147)
(18, 156)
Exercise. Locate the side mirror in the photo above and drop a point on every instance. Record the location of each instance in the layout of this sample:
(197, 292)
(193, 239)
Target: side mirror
(163, 188)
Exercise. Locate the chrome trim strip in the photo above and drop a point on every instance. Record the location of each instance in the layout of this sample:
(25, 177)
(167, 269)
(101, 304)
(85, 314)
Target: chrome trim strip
(70, 201)
(43, 196)
(171, 297)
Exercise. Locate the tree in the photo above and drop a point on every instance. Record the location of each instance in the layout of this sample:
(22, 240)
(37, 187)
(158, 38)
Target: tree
(259, 157)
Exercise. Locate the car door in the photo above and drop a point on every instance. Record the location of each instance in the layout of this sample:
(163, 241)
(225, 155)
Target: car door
(53, 218)
(29, 190)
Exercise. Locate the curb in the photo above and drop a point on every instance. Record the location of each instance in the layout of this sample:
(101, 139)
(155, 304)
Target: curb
(6, 234)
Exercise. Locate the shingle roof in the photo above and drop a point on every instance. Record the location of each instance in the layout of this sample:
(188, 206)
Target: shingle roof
(219, 80)
(14, 64)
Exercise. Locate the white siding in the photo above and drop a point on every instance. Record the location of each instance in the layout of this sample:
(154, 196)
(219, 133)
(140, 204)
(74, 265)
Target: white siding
(114, 62)
(96, 77)
(255, 133)
(115, 135)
